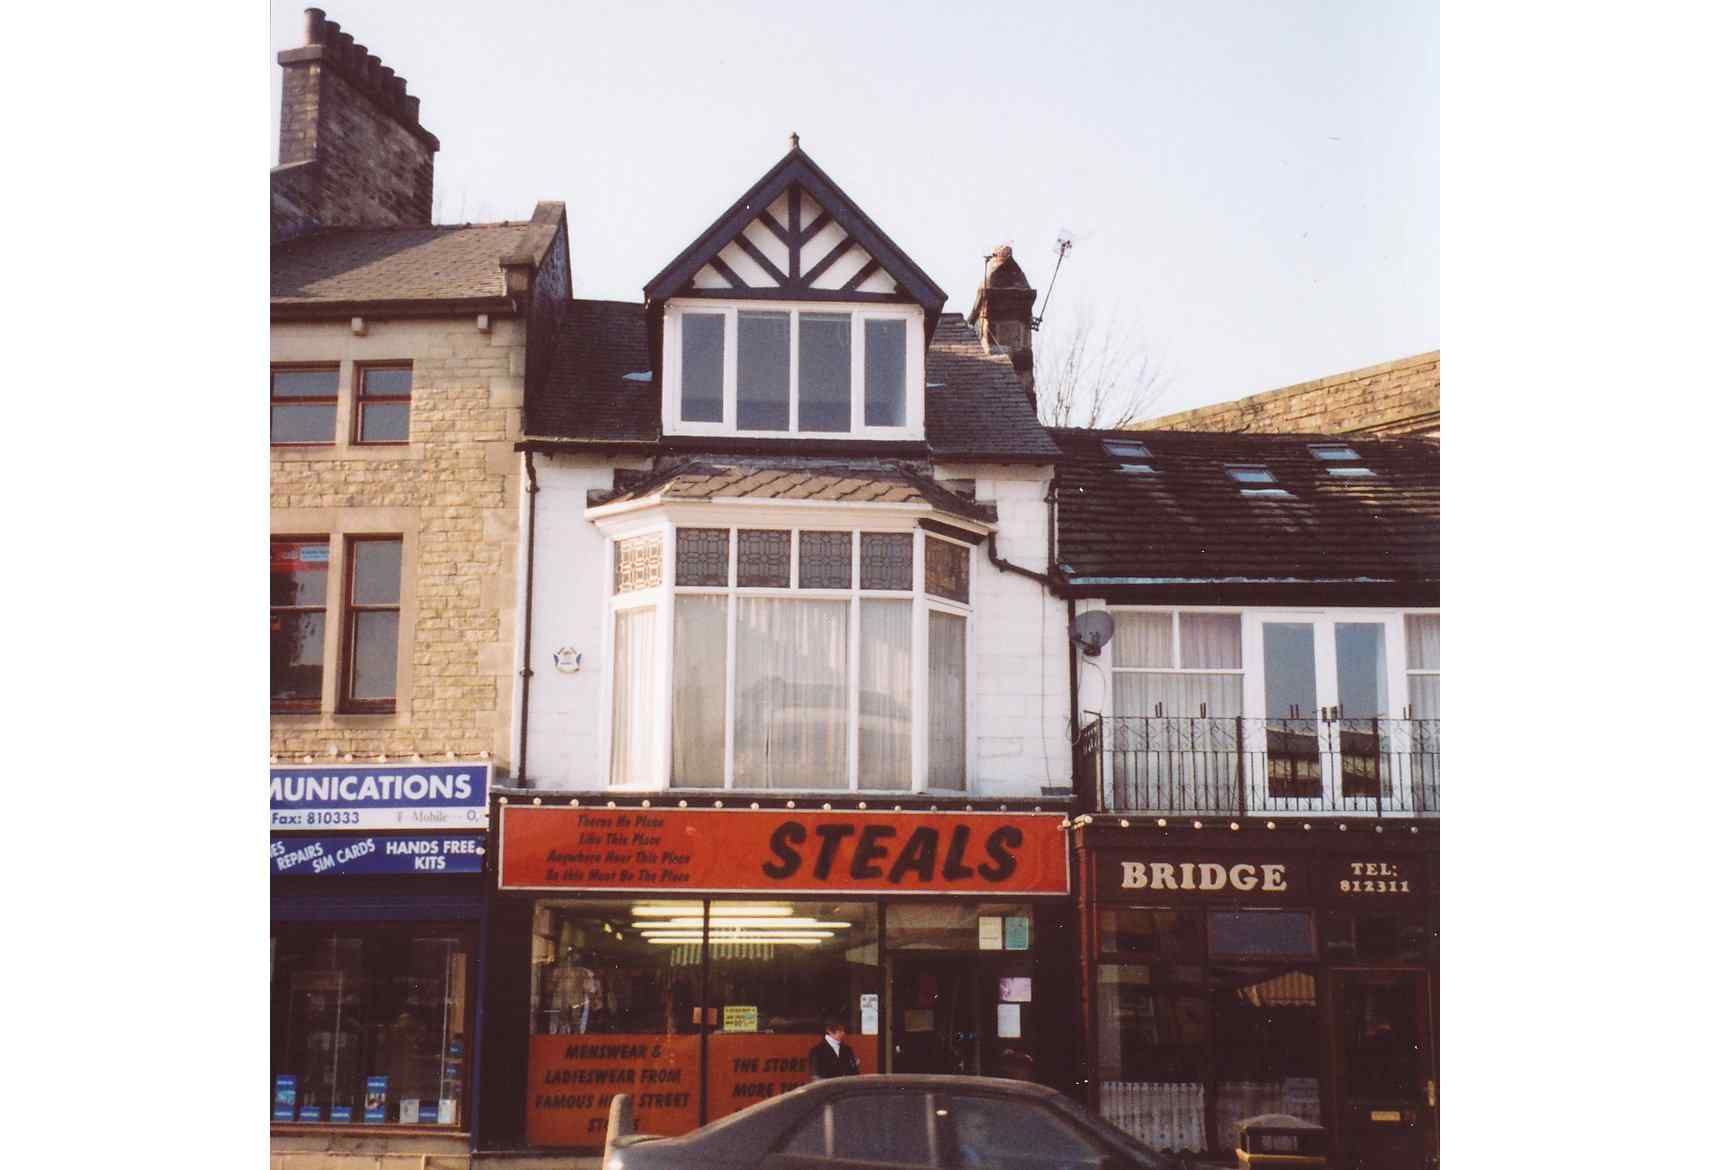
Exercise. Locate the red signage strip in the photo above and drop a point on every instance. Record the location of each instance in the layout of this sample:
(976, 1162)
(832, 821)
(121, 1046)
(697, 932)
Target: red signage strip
(655, 851)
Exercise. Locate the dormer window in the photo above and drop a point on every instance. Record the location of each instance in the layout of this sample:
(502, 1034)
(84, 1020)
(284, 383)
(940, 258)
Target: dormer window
(771, 369)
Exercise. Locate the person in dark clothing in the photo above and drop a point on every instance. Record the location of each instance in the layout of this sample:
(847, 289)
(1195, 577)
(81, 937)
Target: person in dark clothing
(833, 1056)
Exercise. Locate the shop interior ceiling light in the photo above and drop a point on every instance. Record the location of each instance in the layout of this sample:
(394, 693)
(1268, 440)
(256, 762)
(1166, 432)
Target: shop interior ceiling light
(694, 923)
(722, 910)
(786, 942)
(738, 935)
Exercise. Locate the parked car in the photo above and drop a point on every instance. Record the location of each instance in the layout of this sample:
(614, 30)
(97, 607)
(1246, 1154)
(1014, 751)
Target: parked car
(892, 1121)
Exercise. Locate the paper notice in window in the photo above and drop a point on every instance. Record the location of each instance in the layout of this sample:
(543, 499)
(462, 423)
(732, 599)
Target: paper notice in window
(1016, 989)
(869, 1013)
(741, 1019)
(917, 1020)
(1009, 1021)
(1015, 933)
(991, 933)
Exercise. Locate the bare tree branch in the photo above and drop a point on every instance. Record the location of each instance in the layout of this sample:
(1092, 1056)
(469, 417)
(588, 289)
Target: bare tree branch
(1095, 370)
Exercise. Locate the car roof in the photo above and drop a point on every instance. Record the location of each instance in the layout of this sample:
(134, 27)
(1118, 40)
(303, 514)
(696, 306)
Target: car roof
(929, 1081)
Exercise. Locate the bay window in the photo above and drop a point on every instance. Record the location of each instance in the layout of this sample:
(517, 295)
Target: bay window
(797, 658)
(794, 369)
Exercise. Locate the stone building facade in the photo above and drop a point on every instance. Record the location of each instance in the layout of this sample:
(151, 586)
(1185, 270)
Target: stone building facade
(1392, 399)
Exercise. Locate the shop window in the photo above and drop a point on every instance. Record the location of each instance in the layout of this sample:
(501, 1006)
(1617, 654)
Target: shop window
(1377, 938)
(614, 1006)
(1261, 932)
(1148, 1033)
(779, 972)
(958, 926)
(298, 596)
(372, 607)
(371, 1025)
(991, 1134)
(1172, 934)
(383, 404)
(304, 406)
(1266, 1044)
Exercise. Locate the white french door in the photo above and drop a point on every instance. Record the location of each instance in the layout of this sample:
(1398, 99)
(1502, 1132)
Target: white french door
(1326, 687)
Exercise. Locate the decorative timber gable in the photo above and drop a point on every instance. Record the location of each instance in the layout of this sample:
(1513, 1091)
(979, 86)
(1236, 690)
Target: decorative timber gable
(793, 236)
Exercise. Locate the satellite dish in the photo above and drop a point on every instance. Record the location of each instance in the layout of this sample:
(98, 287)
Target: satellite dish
(1091, 630)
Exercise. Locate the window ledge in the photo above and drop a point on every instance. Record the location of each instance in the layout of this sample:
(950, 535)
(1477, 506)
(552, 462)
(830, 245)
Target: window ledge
(361, 453)
(331, 720)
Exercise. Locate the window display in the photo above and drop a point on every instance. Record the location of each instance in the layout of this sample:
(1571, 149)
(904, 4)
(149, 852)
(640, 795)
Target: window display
(371, 1024)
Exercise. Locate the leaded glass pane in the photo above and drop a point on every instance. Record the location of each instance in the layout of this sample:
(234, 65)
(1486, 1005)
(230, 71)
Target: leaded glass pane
(703, 556)
(825, 560)
(887, 560)
(640, 563)
(946, 569)
(763, 558)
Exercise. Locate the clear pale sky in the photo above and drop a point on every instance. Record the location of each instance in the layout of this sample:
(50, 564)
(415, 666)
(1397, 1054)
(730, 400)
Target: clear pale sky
(1252, 188)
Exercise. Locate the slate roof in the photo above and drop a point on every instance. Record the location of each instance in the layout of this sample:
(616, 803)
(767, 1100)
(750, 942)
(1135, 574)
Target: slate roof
(439, 263)
(1190, 522)
(585, 394)
(846, 482)
(975, 406)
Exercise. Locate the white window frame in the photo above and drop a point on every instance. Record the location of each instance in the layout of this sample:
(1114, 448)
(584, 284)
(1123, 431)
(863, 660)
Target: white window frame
(914, 387)
(795, 521)
(1324, 620)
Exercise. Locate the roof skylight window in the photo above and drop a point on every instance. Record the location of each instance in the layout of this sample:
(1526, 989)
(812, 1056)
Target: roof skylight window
(1352, 472)
(1126, 449)
(1249, 473)
(1332, 452)
(1271, 492)
(1136, 469)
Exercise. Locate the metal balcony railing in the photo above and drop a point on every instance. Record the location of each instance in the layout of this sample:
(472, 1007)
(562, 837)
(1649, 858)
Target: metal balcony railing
(1244, 765)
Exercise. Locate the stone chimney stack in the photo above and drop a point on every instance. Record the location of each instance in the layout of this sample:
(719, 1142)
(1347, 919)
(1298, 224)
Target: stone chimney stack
(1003, 314)
(352, 149)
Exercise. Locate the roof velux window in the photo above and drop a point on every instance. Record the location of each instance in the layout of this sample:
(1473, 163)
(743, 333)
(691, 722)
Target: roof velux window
(1351, 472)
(1249, 473)
(1275, 493)
(1128, 453)
(1332, 452)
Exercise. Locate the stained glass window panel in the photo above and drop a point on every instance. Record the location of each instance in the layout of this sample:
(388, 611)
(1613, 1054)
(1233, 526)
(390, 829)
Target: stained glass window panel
(887, 560)
(946, 569)
(763, 559)
(703, 556)
(640, 563)
(825, 560)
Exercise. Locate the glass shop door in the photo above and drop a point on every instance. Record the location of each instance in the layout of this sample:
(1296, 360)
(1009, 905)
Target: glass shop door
(934, 1020)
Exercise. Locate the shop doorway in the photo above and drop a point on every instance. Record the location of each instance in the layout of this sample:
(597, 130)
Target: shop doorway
(962, 1015)
(934, 1028)
(1388, 1090)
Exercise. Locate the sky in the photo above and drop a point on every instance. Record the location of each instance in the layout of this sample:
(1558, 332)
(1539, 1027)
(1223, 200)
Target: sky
(1251, 189)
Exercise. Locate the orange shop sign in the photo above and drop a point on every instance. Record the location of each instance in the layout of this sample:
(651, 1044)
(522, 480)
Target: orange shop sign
(553, 847)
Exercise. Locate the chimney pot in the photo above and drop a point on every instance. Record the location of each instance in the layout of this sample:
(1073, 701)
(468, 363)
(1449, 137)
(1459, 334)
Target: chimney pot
(383, 78)
(361, 63)
(344, 49)
(412, 109)
(329, 32)
(394, 87)
(314, 26)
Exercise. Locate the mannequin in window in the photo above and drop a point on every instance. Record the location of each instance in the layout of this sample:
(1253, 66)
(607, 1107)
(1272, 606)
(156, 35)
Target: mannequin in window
(571, 991)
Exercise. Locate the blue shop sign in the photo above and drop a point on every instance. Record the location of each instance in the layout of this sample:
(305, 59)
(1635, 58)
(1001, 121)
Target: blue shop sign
(378, 853)
(379, 796)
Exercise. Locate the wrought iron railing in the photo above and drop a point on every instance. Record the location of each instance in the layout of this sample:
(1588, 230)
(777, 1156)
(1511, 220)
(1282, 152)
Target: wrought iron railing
(1244, 765)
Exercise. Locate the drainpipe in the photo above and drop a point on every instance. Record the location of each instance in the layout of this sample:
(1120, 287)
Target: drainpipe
(528, 622)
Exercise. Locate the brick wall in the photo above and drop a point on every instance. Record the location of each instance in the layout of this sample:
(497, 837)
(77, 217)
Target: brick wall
(1396, 398)
(454, 493)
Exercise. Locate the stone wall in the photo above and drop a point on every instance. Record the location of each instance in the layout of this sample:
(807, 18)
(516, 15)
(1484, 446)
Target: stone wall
(453, 494)
(1396, 398)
